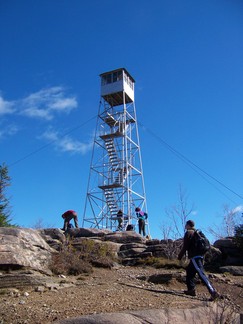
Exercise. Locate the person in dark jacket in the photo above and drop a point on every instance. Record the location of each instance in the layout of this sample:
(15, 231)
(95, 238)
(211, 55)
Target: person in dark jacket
(68, 216)
(119, 219)
(195, 265)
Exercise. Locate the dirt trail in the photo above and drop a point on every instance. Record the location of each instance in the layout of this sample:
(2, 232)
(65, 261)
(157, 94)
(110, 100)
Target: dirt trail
(119, 289)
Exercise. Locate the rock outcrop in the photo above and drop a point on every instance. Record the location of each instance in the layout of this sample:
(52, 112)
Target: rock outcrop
(231, 254)
(24, 248)
(200, 315)
(234, 270)
(30, 252)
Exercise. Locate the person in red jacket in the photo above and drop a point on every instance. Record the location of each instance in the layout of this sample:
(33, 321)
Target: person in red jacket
(68, 216)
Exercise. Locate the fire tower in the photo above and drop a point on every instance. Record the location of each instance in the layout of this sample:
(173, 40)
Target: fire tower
(116, 177)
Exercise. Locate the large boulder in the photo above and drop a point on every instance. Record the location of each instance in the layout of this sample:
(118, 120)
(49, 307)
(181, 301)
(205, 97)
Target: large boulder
(87, 232)
(53, 236)
(234, 270)
(80, 242)
(24, 248)
(202, 315)
(231, 254)
(131, 250)
(125, 237)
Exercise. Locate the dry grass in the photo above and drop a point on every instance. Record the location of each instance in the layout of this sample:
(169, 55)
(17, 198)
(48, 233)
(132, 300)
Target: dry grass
(72, 261)
(160, 263)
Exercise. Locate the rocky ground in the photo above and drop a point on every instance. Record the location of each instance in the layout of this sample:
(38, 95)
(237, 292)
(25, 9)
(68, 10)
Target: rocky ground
(116, 290)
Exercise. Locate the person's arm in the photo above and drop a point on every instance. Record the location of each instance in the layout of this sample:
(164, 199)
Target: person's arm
(184, 247)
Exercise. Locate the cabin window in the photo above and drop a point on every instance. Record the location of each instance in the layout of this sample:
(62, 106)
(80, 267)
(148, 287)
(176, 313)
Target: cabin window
(119, 75)
(103, 80)
(114, 76)
(111, 77)
(108, 78)
(128, 80)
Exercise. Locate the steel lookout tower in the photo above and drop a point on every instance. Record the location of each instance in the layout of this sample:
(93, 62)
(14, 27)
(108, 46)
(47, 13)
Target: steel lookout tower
(116, 176)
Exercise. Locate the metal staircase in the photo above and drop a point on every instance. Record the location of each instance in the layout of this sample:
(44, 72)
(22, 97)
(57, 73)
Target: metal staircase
(121, 176)
(111, 201)
(111, 149)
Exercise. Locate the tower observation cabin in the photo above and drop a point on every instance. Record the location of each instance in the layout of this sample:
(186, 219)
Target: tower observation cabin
(116, 180)
(117, 87)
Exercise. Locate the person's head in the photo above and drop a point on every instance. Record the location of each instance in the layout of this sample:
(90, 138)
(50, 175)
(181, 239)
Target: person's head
(63, 216)
(137, 209)
(190, 224)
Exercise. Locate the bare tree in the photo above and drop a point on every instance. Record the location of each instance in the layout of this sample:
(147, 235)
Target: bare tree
(166, 230)
(178, 214)
(230, 219)
(40, 224)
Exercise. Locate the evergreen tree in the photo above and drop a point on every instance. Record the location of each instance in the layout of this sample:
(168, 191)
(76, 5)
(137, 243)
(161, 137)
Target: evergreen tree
(5, 210)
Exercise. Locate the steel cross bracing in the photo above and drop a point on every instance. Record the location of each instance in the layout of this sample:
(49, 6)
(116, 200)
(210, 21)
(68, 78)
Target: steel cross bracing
(116, 177)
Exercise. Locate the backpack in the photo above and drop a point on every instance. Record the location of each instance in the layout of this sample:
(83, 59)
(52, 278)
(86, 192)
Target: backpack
(201, 243)
(130, 227)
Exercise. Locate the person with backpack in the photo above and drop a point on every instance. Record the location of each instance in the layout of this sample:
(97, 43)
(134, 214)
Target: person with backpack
(68, 216)
(141, 216)
(195, 244)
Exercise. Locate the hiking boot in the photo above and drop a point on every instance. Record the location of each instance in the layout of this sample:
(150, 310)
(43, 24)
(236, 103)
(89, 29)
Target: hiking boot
(214, 296)
(190, 292)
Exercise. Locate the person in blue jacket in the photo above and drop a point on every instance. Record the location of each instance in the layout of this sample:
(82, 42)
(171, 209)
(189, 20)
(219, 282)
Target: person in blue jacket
(142, 216)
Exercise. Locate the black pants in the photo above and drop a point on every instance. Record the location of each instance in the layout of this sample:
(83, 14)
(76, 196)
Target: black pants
(196, 266)
(141, 226)
(120, 220)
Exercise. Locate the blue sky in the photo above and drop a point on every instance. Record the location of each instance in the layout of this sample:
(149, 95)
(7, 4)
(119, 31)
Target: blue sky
(187, 60)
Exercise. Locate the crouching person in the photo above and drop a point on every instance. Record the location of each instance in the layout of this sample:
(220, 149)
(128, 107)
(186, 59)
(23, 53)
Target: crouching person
(68, 216)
